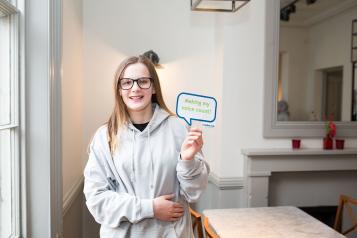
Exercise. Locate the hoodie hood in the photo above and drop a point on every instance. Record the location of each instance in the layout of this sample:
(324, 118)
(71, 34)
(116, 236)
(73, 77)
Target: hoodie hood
(157, 118)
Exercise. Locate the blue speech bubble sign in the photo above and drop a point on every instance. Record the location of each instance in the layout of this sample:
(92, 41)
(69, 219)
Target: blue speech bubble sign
(194, 107)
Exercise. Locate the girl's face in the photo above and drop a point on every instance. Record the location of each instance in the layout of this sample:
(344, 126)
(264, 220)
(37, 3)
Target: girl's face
(138, 97)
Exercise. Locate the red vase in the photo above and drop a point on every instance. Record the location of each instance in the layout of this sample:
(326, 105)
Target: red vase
(340, 144)
(296, 143)
(328, 143)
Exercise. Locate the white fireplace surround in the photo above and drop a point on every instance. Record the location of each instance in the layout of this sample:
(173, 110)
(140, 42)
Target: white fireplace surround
(261, 163)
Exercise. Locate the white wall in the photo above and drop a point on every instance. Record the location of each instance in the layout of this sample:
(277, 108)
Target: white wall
(72, 94)
(73, 151)
(186, 43)
(217, 54)
(214, 54)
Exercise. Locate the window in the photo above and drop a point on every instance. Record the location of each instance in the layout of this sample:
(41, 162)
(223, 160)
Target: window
(9, 123)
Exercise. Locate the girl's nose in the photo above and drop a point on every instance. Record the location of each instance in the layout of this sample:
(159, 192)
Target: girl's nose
(135, 86)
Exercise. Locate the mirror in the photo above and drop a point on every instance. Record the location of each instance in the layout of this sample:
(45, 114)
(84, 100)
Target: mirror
(354, 69)
(308, 67)
(315, 70)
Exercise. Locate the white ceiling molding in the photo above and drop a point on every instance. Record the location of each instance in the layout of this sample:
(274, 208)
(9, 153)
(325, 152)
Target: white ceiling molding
(330, 12)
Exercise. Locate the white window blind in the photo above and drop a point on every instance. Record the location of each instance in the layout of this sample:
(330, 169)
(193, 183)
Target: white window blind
(9, 130)
(5, 83)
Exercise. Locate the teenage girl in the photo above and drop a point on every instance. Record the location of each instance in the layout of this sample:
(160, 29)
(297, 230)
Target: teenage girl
(144, 165)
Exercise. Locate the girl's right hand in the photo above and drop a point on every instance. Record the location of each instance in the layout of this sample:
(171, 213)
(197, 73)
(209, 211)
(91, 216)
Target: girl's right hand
(167, 210)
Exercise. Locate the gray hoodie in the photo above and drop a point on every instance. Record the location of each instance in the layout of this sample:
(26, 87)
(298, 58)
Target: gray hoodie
(120, 189)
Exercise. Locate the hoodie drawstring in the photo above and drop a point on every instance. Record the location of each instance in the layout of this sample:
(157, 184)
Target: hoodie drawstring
(132, 175)
(151, 160)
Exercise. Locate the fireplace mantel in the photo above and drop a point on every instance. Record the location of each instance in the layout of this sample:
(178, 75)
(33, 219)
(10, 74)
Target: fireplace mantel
(261, 163)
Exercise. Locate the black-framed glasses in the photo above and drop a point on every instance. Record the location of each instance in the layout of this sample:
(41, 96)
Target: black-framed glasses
(128, 83)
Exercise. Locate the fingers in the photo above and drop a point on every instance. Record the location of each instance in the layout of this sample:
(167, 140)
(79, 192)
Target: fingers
(194, 133)
(178, 206)
(176, 216)
(167, 210)
(195, 139)
(178, 210)
(195, 129)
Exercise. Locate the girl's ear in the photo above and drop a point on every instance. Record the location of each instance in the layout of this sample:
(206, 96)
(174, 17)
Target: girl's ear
(153, 90)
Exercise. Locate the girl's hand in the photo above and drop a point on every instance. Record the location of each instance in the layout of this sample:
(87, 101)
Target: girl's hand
(192, 144)
(167, 210)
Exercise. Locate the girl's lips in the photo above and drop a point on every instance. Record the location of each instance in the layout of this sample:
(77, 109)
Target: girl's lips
(136, 98)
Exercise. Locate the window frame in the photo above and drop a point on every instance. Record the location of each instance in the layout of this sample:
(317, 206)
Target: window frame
(38, 174)
(11, 11)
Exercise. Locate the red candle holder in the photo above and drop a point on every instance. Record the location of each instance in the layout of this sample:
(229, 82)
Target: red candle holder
(340, 144)
(296, 143)
(327, 143)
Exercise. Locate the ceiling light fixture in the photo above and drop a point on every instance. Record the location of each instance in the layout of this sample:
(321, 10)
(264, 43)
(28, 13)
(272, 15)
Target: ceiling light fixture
(217, 5)
(308, 2)
(291, 8)
(287, 10)
(153, 57)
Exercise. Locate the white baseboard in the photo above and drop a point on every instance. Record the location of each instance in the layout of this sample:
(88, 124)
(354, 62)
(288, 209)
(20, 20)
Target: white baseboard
(72, 194)
(226, 183)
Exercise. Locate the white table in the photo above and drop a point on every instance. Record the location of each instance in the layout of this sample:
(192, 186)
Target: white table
(267, 222)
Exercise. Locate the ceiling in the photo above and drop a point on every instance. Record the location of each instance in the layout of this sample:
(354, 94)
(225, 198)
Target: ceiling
(309, 14)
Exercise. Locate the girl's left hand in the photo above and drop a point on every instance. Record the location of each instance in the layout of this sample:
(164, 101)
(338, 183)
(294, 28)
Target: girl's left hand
(192, 144)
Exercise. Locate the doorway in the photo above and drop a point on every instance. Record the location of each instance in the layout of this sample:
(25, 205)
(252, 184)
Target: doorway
(332, 93)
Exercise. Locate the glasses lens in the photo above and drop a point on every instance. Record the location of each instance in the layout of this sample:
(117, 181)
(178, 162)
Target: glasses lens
(126, 83)
(144, 83)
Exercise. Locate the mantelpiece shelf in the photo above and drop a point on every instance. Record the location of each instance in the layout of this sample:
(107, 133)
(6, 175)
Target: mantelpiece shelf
(288, 151)
(260, 164)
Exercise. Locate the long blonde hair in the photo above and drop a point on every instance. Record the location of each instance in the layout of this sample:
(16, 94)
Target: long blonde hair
(120, 115)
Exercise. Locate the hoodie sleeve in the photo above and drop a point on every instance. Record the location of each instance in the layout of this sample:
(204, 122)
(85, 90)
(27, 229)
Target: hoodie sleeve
(107, 206)
(192, 174)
